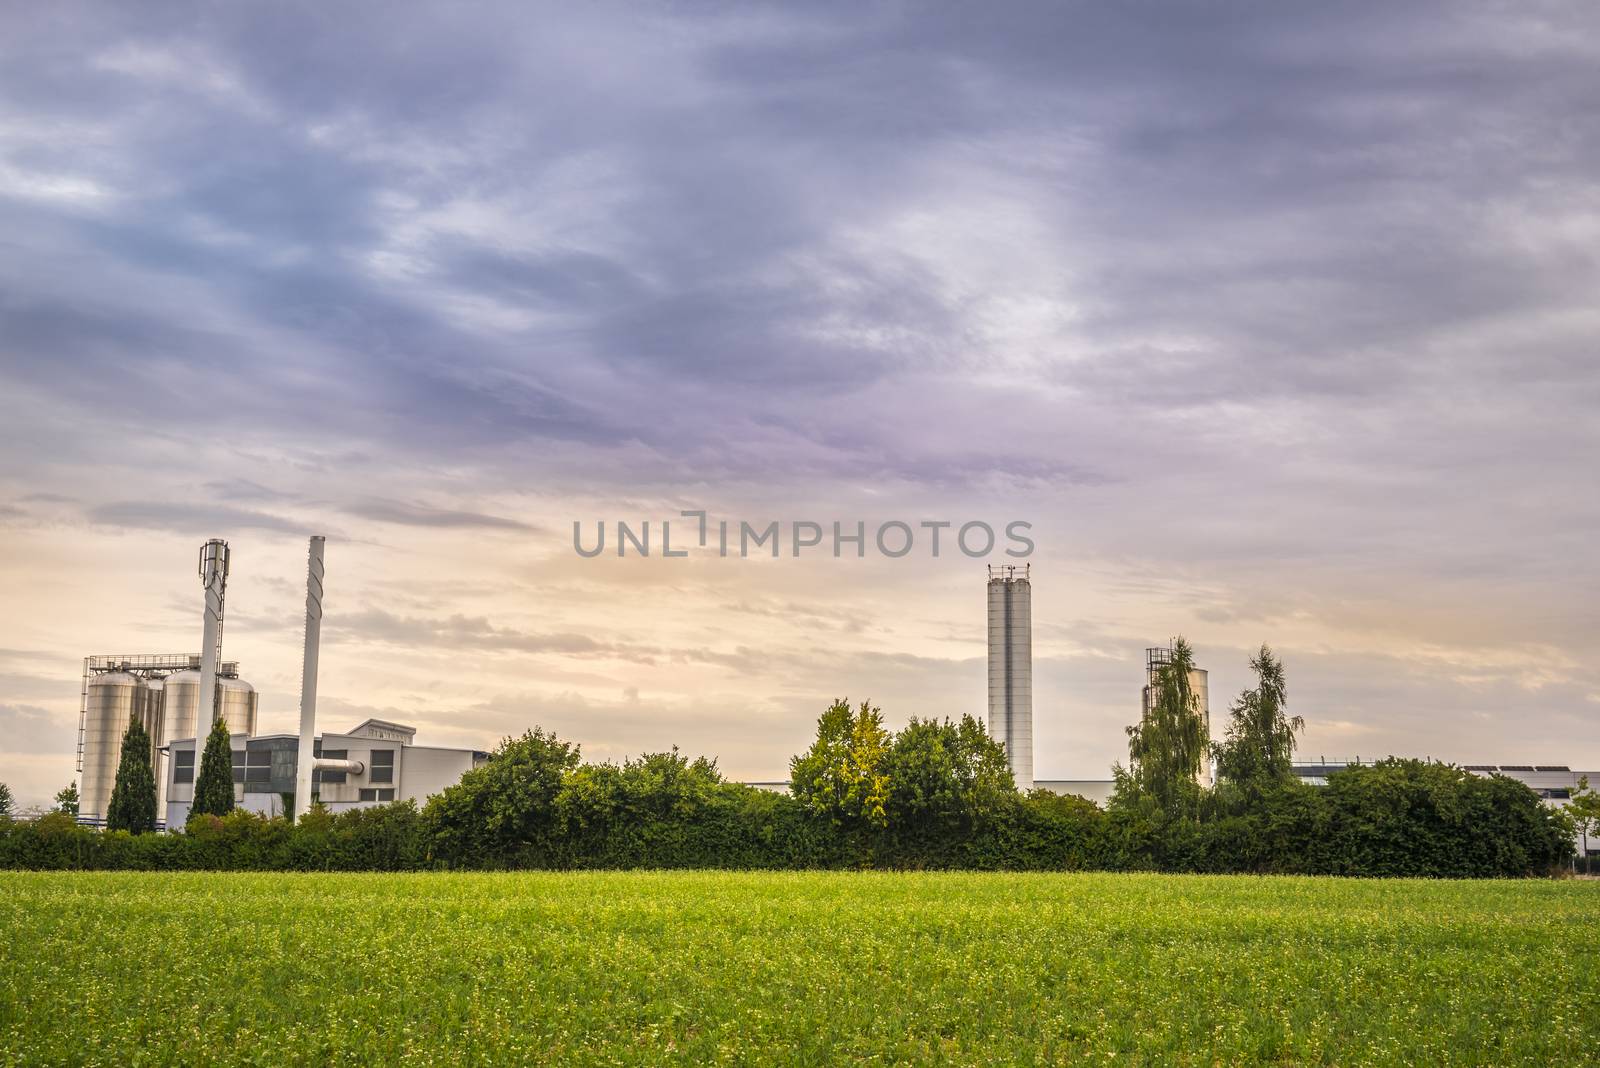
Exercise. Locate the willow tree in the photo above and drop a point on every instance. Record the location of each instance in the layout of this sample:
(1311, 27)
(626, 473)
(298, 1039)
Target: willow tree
(133, 798)
(1259, 747)
(1168, 744)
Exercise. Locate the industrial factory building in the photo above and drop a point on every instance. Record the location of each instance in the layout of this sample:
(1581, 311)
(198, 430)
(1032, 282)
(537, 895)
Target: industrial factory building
(373, 763)
(161, 692)
(1554, 783)
(177, 698)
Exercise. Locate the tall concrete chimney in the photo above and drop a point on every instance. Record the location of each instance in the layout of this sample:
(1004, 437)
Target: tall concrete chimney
(308, 679)
(214, 576)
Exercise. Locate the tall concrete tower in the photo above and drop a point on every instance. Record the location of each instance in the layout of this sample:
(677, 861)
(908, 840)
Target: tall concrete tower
(1011, 668)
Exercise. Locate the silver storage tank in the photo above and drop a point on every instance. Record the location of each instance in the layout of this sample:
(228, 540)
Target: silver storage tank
(180, 701)
(236, 703)
(115, 697)
(1200, 686)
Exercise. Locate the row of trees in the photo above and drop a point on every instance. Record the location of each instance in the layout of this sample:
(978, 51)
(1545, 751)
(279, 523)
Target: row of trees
(1391, 818)
(933, 794)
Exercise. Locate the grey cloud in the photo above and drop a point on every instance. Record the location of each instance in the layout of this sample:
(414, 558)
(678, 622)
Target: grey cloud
(459, 633)
(1244, 296)
(180, 517)
(418, 515)
(31, 729)
(242, 489)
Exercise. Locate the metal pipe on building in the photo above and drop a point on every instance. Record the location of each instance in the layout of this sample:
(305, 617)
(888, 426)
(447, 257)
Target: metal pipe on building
(214, 576)
(353, 767)
(308, 679)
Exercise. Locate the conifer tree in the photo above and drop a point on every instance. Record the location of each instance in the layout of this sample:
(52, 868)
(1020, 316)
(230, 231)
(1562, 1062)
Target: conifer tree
(213, 786)
(133, 797)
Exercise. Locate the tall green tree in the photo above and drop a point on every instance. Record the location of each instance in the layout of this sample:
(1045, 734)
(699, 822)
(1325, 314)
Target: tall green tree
(133, 797)
(842, 777)
(7, 802)
(1259, 747)
(213, 786)
(945, 777)
(67, 799)
(503, 814)
(1168, 744)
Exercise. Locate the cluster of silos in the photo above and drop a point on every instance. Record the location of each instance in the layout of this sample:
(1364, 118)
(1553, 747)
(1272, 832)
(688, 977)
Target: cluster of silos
(168, 708)
(1011, 669)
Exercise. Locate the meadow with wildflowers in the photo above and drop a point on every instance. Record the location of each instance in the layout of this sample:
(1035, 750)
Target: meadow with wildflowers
(114, 968)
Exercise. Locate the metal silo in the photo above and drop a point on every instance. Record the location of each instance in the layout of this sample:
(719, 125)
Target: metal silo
(1011, 669)
(236, 702)
(236, 706)
(114, 698)
(180, 704)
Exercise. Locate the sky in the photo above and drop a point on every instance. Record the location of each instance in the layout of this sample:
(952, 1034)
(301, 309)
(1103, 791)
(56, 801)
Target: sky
(1276, 322)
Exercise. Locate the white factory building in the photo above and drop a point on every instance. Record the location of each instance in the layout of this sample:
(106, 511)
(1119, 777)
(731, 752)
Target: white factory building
(381, 762)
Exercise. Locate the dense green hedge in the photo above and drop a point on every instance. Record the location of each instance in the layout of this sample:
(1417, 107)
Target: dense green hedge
(536, 806)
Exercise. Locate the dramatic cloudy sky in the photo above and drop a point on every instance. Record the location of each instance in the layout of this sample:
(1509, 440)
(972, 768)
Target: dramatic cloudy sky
(1277, 325)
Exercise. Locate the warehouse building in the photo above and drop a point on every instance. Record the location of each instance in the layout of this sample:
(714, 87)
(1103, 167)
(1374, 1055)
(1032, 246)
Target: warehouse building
(374, 762)
(1554, 783)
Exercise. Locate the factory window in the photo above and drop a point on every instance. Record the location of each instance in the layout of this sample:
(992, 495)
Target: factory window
(333, 777)
(255, 774)
(258, 758)
(368, 794)
(382, 765)
(238, 765)
(183, 766)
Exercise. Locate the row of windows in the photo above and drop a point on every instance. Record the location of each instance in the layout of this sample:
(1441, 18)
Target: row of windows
(255, 765)
(377, 795)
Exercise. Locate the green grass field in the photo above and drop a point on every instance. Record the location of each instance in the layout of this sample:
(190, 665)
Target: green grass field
(125, 969)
